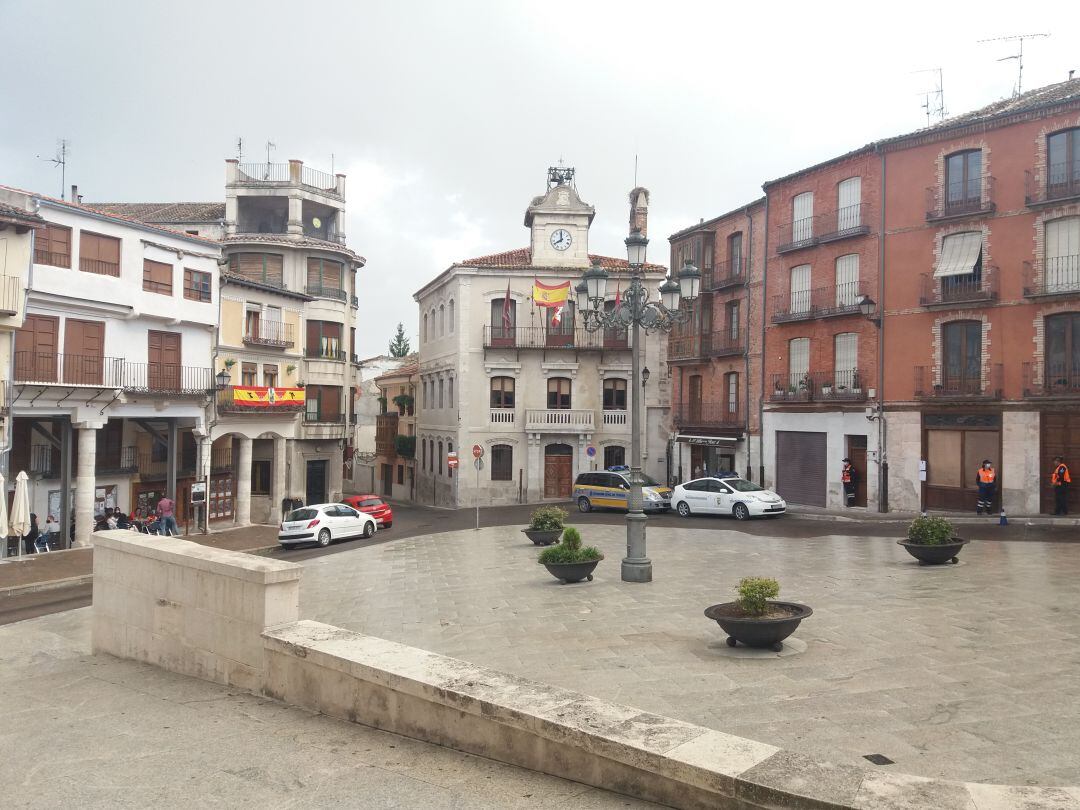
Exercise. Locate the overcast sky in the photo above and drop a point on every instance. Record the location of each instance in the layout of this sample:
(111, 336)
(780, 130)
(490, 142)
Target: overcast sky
(446, 115)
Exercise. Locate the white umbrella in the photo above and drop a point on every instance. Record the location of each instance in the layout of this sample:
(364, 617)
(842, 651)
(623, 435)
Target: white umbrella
(20, 508)
(3, 516)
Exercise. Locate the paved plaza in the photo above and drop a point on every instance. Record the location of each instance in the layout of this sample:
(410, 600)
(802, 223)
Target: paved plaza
(967, 672)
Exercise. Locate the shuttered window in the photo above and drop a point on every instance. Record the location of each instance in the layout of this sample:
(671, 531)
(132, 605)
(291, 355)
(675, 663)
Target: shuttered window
(558, 393)
(732, 387)
(502, 392)
(733, 320)
(99, 254)
(848, 204)
(323, 403)
(270, 376)
(248, 374)
(800, 288)
(802, 217)
(157, 277)
(1062, 272)
(266, 268)
(324, 273)
(847, 280)
(614, 395)
(196, 285)
(846, 360)
(798, 359)
(52, 246)
(324, 340)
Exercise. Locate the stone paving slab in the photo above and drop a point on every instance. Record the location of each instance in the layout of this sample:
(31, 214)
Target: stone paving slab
(966, 672)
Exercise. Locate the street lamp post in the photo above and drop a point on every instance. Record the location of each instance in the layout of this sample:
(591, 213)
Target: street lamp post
(637, 312)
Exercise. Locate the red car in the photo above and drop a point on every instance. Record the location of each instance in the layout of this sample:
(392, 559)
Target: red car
(374, 506)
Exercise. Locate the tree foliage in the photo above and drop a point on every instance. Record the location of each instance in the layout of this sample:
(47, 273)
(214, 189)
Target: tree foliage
(399, 344)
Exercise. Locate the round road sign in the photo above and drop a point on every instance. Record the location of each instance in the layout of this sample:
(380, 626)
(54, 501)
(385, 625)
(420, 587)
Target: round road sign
(477, 451)
(590, 451)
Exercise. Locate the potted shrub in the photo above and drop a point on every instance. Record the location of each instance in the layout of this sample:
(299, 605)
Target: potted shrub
(826, 388)
(404, 403)
(756, 620)
(568, 561)
(546, 525)
(931, 541)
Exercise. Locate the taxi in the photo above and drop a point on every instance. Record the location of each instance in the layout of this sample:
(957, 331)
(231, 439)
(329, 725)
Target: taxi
(611, 489)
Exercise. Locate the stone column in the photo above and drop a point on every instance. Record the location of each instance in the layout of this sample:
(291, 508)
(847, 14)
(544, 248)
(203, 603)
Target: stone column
(335, 480)
(534, 469)
(291, 487)
(243, 483)
(85, 482)
(281, 485)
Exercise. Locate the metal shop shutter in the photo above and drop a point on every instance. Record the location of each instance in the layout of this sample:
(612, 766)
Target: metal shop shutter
(801, 467)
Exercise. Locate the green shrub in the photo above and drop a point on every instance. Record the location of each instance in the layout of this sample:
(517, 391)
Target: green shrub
(930, 531)
(405, 446)
(548, 519)
(569, 550)
(754, 594)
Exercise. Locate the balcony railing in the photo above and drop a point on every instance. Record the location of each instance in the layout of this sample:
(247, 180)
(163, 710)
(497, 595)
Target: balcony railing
(798, 234)
(264, 173)
(968, 288)
(47, 368)
(938, 384)
(11, 294)
(258, 399)
(973, 198)
(44, 461)
(559, 421)
(166, 378)
(689, 348)
(324, 181)
(708, 415)
(819, 386)
(52, 258)
(820, 302)
(325, 353)
(723, 344)
(124, 461)
(540, 337)
(1056, 276)
(1062, 182)
(501, 416)
(319, 417)
(221, 459)
(843, 223)
(354, 302)
(99, 267)
(270, 333)
(1056, 380)
(730, 273)
(615, 418)
(320, 291)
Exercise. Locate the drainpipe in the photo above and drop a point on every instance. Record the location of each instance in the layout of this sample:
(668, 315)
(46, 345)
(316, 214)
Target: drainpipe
(883, 458)
(749, 313)
(764, 300)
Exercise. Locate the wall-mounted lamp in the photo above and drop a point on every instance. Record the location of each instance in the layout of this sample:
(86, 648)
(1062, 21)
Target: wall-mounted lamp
(644, 376)
(868, 307)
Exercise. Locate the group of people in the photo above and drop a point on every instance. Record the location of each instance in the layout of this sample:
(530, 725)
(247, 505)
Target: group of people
(161, 521)
(986, 479)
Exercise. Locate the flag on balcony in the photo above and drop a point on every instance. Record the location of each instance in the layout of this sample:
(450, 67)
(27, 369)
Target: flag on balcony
(618, 294)
(556, 316)
(550, 295)
(251, 396)
(507, 320)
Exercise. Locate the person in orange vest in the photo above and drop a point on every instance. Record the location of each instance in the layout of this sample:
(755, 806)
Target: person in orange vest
(848, 476)
(986, 478)
(1060, 480)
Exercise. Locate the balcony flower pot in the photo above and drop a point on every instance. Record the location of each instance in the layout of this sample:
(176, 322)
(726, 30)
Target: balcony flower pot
(756, 620)
(931, 541)
(569, 561)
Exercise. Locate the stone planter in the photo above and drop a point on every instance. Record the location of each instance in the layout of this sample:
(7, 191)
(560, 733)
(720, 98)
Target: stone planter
(572, 572)
(543, 537)
(758, 631)
(934, 555)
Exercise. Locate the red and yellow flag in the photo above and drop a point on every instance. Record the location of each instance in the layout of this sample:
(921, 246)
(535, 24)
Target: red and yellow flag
(550, 295)
(262, 397)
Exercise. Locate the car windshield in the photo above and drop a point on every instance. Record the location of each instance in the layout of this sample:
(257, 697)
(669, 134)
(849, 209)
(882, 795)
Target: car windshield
(302, 514)
(742, 485)
(371, 502)
(646, 480)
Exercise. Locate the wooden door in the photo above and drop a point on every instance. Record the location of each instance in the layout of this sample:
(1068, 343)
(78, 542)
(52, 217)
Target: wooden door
(163, 361)
(1060, 437)
(36, 346)
(856, 451)
(558, 471)
(84, 352)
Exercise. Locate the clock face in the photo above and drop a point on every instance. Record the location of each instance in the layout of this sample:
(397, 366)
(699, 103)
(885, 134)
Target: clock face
(316, 222)
(561, 239)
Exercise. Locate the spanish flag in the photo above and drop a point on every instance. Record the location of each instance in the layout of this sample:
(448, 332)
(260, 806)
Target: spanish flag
(263, 397)
(550, 295)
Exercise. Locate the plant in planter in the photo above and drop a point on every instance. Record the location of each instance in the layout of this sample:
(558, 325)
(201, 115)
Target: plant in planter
(289, 369)
(404, 403)
(931, 541)
(230, 362)
(546, 525)
(568, 560)
(405, 446)
(382, 404)
(754, 618)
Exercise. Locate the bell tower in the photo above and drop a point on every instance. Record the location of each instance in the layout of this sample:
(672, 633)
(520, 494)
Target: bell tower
(559, 223)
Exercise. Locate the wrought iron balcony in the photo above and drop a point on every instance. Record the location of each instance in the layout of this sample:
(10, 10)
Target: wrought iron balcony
(798, 234)
(712, 415)
(124, 461)
(821, 302)
(965, 289)
(730, 273)
(1056, 276)
(354, 302)
(933, 383)
(819, 386)
(282, 173)
(1052, 379)
(1060, 184)
(325, 353)
(692, 348)
(48, 368)
(725, 344)
(321, 291)
(270, 333)
(844, 223)
(12, 291)
(99, 267)
(973, 198)
(167, 378)
(559, 420)
(563, 337)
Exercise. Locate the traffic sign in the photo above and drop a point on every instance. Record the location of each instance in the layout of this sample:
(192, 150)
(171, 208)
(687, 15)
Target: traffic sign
(477, 451)
(590, 451)
(451, 459)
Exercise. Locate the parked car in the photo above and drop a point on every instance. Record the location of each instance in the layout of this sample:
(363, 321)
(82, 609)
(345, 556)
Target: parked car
(372, 505)
(726, 496)
(611, 489)
(323, 523)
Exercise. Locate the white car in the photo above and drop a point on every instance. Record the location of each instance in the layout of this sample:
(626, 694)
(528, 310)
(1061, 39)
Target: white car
(323, 523)
(726, 496)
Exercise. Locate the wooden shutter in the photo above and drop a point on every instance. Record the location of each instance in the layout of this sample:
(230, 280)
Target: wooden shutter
(52, 246)
(36, 346)
(849, 197)
(802, 213)
(800, 288)
(331, 275)
(314, 272)
(846, 359)
(847, 280)
(331, 403)
(798, 359)
(84, 351)
(157, 277)
(163, 354)
(99, 254)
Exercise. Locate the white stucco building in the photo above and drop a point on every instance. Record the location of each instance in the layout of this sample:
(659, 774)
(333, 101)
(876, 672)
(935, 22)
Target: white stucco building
(544, 401)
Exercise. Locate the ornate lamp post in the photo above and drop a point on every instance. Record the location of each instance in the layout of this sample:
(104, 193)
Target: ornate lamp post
(637, 312)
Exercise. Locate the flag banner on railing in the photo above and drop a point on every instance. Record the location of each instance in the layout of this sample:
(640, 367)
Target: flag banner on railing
(550, 295)
(261, 397)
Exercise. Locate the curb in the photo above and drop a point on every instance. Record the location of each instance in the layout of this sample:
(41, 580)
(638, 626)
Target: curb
(47, 585)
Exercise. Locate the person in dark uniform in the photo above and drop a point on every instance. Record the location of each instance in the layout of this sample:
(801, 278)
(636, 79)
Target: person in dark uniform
(1060, 480)
(986, 478)
(849, 478)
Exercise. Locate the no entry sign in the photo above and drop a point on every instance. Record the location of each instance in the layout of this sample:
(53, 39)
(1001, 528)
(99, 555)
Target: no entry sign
(451, 459)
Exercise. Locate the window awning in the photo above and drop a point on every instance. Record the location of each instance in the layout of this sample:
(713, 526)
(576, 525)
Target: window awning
(959, 253)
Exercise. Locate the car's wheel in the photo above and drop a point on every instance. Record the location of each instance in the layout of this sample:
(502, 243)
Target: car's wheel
(369, 529)
(741, 511)
(324, 538)
(584, 505)
(683, 509)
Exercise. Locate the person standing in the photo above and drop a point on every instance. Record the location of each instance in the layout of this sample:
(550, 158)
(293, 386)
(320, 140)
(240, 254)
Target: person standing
(30, 538)
(1060, 480)
(986, 478)
(166, 517)
(849, 478)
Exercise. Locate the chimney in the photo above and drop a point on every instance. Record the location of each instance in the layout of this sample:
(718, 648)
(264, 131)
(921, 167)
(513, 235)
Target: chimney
(74, 193)
(639, 210)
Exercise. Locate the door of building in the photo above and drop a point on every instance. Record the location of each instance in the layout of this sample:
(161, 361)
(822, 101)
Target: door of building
(1060, 437)
(856, 451)
(558, 470)
(387, 479)
(36, 343)
(953, 457)
(316, 482)
(801, 467)
(84, 352)
(163, 361)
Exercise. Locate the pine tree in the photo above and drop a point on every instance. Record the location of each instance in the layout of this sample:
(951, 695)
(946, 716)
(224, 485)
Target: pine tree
(399, 345)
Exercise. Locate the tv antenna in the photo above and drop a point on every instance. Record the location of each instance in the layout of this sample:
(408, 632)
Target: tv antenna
(240, 149)
(269, 145)
(1018, 56)
(934, 100)
(61, 161)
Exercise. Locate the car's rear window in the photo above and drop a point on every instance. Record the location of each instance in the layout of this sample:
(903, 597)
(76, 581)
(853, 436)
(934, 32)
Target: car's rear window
(302, 514)
(371, 502)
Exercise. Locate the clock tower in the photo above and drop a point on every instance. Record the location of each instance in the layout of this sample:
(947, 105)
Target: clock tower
(559, 223)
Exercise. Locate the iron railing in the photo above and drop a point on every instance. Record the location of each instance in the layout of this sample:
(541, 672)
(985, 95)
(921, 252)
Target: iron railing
(44, 461)
(819, 386)
(312, 416)
(320, 291)
(693, 348)
(931, 383)
(724, 343)
(1055, 276)
(52, 258)
(221, 459)
(324, 181)
(354, 302)
(708, 415)
(270, 333)
(798, 234)
(968, 198)
(1061, 182)
(228, 404)
(1056, 380)
(264, 172)
(11, 294)
(724, 274)
(123, 462)
(949, 290)
(845, 222)
(820, 302)
(48, 368)
(563, 337)
(99, 267)
(166, 378)
(324, 353)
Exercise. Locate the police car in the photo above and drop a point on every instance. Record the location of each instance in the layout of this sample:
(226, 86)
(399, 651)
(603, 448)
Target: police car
(611, 489)
(726, 495)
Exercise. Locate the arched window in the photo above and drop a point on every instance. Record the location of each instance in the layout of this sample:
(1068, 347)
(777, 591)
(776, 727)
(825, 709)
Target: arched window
(502, 462)
(963, 182)
(449, 469)
(558, 393)
(451, 308)
(423, 454)
(442, 319)
(961, 358)
(1061, 271)
(1062, 374)
(424, 330)
(450, 392)
(502, 392)
(438, 458)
